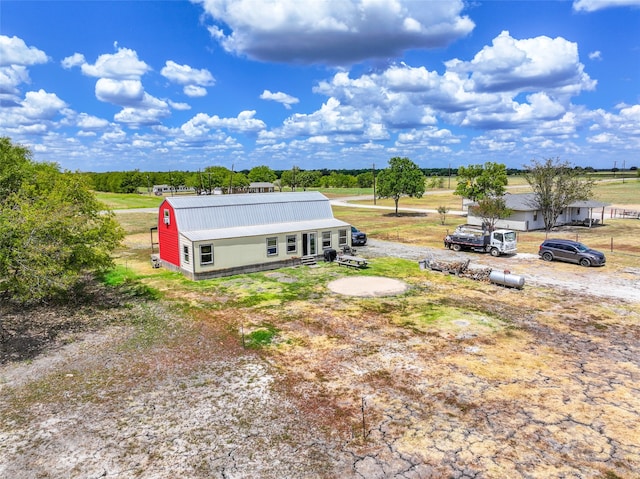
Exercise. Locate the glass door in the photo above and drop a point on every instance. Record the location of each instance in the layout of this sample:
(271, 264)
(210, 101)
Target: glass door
(309, 241)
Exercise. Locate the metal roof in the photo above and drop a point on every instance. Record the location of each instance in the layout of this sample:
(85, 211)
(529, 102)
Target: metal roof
(263, 230)
(526, 202)
(203, 213)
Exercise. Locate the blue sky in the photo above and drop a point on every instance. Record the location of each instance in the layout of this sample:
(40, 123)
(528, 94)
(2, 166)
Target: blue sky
(179, 85)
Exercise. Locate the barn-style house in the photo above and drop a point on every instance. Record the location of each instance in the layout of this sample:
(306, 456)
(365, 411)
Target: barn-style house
(220, 235)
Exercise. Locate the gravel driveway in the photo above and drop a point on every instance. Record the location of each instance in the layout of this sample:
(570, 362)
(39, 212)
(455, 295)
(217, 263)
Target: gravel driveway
(624, 285)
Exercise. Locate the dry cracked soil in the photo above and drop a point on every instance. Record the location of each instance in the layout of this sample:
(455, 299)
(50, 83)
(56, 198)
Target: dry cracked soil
(543, 383)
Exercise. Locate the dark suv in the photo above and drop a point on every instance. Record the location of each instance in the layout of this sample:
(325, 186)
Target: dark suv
(358, 238)
(571, 252)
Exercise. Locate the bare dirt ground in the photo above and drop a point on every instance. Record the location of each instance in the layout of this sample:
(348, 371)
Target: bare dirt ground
(358, 387)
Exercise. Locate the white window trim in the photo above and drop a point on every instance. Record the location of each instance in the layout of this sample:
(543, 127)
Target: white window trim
(324, 235)
(275, 247)
(342, 237)
(202, 263)
(294, 244)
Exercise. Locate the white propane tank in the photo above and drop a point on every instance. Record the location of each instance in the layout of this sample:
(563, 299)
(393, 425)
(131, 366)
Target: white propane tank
(505, 278)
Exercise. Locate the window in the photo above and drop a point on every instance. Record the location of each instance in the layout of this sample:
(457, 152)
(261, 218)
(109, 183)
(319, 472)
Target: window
(206, 254)
(326, 239)
(342, 237)
(185, 253)
(535, 216)
(166, 217)
(292, 244)
(272, 246)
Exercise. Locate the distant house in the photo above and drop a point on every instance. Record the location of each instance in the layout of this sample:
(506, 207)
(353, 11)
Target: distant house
(261, 187)
(525, 217)
(160, 190)
(219, 235)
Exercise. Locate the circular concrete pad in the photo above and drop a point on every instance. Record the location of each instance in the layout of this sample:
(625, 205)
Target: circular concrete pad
(368, 286)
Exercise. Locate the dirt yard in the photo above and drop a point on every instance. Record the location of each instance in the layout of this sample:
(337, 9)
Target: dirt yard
(451, 379)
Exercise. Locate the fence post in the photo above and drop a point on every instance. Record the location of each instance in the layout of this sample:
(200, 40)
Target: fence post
(612, 244)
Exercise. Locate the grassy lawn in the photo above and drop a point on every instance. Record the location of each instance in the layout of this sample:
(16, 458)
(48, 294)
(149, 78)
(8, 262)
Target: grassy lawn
(117, 201)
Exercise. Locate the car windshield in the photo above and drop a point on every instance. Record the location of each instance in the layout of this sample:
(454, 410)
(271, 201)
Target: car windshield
(510, 236)
(582, 248)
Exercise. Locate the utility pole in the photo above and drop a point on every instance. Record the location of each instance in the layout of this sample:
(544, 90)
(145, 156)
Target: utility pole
(293, 175)
(449, 187)
(373, 169)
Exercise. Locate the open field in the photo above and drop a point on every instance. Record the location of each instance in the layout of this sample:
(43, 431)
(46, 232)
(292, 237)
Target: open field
(272, 375)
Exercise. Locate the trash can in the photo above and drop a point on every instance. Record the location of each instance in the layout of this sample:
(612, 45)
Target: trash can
(330, 255)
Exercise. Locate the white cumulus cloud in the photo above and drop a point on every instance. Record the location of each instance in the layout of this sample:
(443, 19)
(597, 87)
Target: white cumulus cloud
(529, 64)
(194, 91)
(244, 123)
(597, 55)
(286, 100)
(14, 51)
(194, 80)
(185, 75)
(15, 57)
(334, 32)
(75, 60)
(119, 92)
(122, 65)
(593, 5)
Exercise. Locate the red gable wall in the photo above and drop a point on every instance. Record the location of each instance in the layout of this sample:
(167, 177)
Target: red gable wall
(168, 242)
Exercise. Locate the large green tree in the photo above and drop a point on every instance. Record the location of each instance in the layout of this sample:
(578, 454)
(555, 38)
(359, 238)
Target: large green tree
(480, 181)
(308, 179)
(401, 178)
(53, 228)
(262, 174)
(491, 209)
(556, 184)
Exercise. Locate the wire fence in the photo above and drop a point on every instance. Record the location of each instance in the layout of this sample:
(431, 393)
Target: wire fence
(624, 214)
(600, 240)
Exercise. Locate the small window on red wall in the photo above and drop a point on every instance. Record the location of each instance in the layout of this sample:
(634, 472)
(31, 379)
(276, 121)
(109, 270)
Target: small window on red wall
(167, 217)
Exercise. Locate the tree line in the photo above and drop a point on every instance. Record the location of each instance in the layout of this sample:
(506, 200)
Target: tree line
(213, 177)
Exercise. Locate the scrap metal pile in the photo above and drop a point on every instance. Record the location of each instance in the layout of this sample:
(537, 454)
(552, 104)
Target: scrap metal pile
(459, 268)
(462, 269)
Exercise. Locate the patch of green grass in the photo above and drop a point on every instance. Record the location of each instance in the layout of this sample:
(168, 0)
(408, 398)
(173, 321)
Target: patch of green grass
(261, 337)
(391, 267)
(118, 276)
(129, 283)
